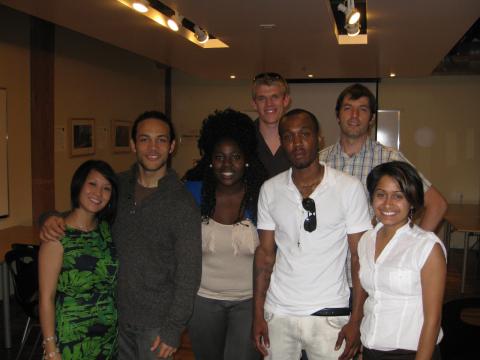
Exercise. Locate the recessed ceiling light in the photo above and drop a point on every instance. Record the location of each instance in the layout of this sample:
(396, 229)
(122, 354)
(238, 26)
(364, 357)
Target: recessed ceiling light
(310, 75)
(233, 76)
(392, 74)
(140, 6)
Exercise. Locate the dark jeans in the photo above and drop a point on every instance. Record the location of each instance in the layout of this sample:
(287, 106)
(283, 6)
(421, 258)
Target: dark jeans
(399, 354)
(135, 343)
(220, 329)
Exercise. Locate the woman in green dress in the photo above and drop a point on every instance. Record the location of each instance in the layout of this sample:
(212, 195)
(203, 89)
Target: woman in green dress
(78, 274)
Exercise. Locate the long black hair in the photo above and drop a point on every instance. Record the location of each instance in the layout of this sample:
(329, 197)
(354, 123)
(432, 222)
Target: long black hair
(238, 127)
(109, 212)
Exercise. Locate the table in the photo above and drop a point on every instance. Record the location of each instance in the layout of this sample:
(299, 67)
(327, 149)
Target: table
(471, 316)
(462, 218)
(9, 236)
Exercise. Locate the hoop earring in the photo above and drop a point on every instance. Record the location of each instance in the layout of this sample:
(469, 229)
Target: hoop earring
(411, 213)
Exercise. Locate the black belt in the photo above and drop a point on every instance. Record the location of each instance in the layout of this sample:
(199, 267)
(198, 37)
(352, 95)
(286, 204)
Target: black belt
(332, 312)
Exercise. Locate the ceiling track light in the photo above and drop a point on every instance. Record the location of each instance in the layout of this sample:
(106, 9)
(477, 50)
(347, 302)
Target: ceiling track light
(175, 22)
(200, 34)
(352, 15)
(170, 18)
(140, 6)
(353, 30)
(350, 27)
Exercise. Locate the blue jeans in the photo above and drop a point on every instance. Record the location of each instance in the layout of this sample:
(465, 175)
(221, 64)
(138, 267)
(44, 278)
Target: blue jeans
(220, 329)
(135, 342)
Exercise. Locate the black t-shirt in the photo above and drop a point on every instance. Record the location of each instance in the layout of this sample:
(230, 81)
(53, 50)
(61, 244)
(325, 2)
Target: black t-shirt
(273, 163)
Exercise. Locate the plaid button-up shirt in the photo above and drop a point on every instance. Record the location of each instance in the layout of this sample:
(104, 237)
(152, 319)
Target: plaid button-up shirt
(359, 165)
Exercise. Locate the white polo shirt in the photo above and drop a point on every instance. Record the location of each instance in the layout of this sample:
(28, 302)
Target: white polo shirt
(393, 311)
(309, 271)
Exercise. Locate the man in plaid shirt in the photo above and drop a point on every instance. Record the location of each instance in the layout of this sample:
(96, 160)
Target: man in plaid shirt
(357, 154)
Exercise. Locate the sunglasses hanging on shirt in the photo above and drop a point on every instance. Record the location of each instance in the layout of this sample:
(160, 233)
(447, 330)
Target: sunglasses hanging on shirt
(310, 223)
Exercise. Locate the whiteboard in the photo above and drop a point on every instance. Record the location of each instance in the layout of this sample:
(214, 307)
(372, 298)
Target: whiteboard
(3, 154)
(388, 128)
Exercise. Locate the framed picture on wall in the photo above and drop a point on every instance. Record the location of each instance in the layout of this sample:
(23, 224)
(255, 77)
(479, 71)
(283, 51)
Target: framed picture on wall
(82, 137)
(121, 136)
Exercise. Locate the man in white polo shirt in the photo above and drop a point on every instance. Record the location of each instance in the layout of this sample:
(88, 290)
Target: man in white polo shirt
(308, 216)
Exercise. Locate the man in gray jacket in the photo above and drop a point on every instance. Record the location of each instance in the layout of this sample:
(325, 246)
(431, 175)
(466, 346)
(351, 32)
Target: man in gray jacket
(158, 240)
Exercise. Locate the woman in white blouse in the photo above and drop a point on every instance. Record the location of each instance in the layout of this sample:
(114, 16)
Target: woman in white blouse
(403, 270)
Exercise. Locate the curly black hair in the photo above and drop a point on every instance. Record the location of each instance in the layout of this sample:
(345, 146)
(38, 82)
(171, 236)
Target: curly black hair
(238, 127)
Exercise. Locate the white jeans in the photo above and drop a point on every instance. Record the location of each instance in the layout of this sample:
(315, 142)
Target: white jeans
(317, 335)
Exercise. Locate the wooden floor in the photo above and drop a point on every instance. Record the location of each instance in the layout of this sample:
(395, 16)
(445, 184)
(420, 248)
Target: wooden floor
(472, 289)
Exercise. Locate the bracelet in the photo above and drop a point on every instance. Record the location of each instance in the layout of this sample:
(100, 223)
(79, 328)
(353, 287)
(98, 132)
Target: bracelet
(48, 339)
(51, 355)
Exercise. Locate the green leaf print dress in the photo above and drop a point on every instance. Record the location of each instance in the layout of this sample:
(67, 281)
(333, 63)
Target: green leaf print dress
(86, 314)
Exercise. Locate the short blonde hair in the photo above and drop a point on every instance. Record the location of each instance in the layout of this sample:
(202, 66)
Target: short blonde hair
(269, 79)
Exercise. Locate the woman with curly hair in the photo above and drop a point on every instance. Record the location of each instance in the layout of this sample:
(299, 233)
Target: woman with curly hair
(226, 182)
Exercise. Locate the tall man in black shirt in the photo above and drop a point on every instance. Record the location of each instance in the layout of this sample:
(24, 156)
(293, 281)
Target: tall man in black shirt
(271, 99)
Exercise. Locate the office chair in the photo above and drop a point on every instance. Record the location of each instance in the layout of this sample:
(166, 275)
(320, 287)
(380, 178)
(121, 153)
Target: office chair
(22, 262)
